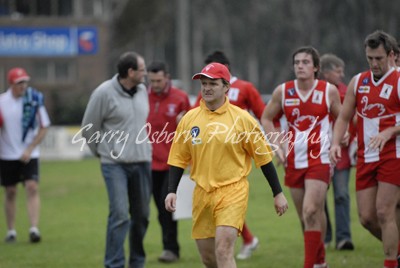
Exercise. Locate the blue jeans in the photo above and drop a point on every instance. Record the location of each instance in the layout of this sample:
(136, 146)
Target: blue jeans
(129, 191)
(340, 183)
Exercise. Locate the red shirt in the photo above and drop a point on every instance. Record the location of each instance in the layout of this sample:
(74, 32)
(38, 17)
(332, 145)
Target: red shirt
(244, 95)
(164, 109)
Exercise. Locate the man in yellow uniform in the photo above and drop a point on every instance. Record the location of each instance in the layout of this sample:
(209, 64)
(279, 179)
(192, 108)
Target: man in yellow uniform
(219, 140)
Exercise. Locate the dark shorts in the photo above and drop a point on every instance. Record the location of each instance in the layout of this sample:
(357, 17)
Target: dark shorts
(14, 171)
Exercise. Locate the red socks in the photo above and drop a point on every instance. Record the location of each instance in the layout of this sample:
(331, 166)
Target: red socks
(398, 249)
(390, 264)
(321, 254)
(312, 243)
(247, 236)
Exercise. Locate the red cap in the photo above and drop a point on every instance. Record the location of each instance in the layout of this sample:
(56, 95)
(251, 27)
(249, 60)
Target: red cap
(16, 75)
(214, 70)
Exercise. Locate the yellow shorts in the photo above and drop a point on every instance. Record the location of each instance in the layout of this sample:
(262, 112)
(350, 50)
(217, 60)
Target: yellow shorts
(226, 206)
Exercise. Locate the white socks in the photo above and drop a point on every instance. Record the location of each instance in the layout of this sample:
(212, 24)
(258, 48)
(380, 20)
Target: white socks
(34, 230)
(12, 232)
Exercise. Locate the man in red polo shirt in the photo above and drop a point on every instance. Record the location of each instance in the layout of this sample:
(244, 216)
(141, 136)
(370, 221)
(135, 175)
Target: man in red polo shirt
(167, 106)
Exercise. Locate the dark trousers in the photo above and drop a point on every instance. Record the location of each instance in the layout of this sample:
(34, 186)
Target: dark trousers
(169, 227)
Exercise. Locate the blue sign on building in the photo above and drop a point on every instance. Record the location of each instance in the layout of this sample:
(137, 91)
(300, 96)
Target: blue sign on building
(48, 41)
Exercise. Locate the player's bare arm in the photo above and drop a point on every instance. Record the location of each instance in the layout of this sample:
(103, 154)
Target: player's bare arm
(335, 107)
(273, 108)
(26, 155)
(334, 101)
(379, 141)
(345, 116)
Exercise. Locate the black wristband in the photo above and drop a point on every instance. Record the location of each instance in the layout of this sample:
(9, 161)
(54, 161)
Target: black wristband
(269, 172)
(175, 175)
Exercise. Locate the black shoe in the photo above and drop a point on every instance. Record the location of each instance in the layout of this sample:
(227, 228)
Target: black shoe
(10, 238)
(34, 237)
(168, 256)
(345, 245)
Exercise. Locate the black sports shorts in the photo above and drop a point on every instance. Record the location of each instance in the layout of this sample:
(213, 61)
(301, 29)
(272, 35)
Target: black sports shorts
(14, 171)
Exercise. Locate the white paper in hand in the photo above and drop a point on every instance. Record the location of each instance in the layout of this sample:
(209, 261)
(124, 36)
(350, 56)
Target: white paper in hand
(184, 198)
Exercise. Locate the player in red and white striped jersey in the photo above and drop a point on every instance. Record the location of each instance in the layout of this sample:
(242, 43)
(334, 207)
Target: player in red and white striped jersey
(309, 105)
(375, 96)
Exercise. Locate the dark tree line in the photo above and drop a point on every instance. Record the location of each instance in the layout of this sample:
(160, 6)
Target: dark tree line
(259, 36)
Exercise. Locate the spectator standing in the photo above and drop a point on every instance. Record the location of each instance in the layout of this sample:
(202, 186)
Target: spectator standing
(167, 106)
(117, 111)
(24, 122)
(332, 70)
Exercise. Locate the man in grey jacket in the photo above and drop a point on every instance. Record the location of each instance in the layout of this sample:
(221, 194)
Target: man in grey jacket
(114, 126)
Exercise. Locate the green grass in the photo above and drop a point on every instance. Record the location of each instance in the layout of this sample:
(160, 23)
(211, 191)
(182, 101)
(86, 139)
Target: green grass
(73, 224)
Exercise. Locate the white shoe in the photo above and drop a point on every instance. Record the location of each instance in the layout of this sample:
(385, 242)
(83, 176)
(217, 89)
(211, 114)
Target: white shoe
(246, 250)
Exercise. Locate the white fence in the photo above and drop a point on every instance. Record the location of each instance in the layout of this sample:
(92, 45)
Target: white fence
(63, 143)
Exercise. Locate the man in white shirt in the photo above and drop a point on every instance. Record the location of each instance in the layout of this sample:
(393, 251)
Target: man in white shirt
(23, 125)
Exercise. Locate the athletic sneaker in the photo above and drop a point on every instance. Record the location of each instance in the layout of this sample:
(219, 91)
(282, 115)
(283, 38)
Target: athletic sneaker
(247, 249)
(11, 236)
(34, 235)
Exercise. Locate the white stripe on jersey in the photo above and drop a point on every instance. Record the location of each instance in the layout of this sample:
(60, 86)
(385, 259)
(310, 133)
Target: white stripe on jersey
(300, 149)
(326, 126)
(371, 129)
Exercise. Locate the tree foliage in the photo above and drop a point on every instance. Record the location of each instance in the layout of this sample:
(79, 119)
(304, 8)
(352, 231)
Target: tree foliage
(258, 36)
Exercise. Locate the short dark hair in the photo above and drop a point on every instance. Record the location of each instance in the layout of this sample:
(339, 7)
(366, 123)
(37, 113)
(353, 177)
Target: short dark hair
(126, 61)
(329, 62)
(395, 45)
(311, 51)
(217, 56)
(377, 38)
(157, 66)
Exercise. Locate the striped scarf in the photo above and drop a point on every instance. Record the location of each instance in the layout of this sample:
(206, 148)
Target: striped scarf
(32, 100)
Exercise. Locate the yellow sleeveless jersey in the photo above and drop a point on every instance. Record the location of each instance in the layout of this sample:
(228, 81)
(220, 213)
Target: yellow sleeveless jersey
(219, 145)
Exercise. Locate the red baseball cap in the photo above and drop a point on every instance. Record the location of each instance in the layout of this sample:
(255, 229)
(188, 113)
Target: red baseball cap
(16, 75)
(214, 70)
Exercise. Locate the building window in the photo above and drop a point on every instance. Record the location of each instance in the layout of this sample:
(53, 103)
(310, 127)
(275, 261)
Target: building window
(4, 8)
(40, 71)
(59, 71)
(44, 7)
(76, 8)
(36, 7)
(62, 71)
(65, 8)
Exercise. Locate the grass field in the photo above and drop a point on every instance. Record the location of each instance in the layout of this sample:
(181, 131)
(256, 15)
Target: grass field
(73, 224)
